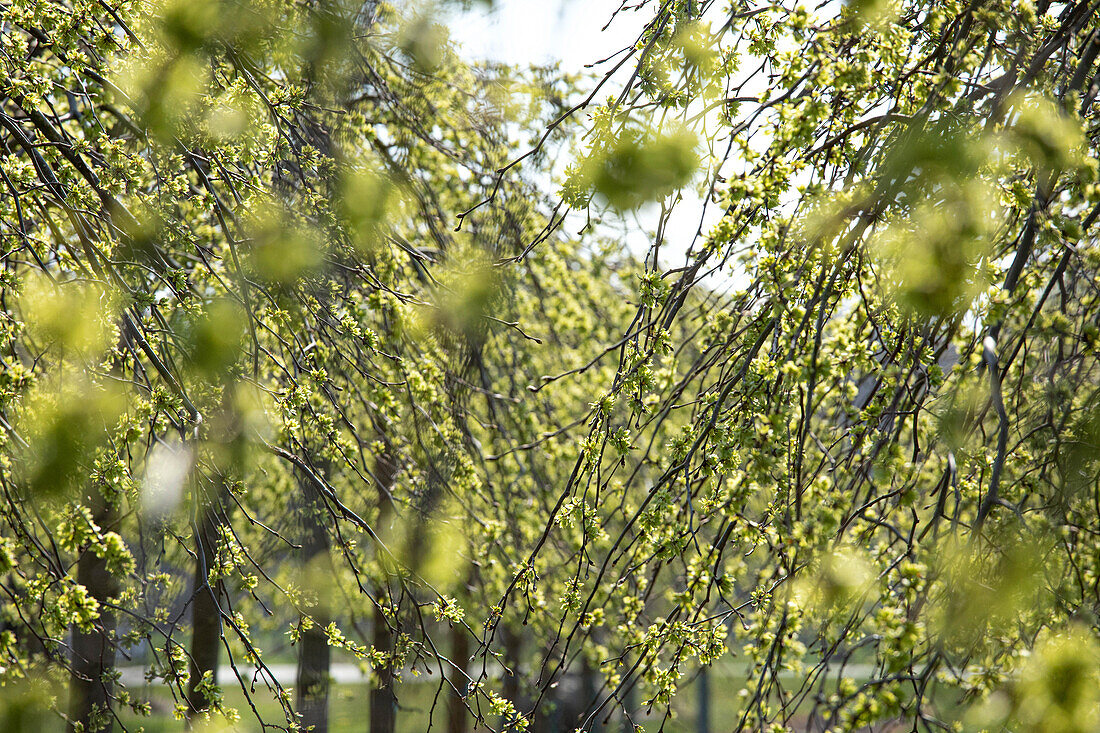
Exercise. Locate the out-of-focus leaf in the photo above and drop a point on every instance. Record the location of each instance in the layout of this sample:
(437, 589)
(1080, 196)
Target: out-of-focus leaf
(639, 167)
(282, 251)
(63, 429)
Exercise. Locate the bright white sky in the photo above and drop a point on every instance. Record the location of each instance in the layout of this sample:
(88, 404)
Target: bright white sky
(570, 32)
(544, 31)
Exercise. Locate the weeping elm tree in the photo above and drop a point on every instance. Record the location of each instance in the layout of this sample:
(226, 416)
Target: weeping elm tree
(239, 332)
(321, 344)
(849, 446)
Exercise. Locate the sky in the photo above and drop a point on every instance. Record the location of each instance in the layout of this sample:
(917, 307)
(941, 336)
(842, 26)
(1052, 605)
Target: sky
(572, 34)
(544, 31)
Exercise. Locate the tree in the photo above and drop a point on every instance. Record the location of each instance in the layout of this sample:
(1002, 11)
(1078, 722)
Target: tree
(332, 314)
(221, 204)
(93, 645)
(314, 656)
(867, 432)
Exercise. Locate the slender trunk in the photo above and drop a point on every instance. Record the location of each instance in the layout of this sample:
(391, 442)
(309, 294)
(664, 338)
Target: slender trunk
(703, 722)
(458, 719)
(547, 715)
(314, 659)
(513, 647)
(513, 650)
(589, 685)
(94, 651)
(314, 655)
(206, 620)
(383, 698)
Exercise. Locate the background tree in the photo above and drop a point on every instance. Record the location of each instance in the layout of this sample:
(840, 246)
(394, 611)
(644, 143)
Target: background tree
(854, 478)
(850, 437)
(228, 208)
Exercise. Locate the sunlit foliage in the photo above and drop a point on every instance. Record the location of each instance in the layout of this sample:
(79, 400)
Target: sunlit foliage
(304, 358)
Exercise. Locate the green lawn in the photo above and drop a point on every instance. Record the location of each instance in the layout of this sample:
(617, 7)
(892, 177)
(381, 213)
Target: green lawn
(349, 709)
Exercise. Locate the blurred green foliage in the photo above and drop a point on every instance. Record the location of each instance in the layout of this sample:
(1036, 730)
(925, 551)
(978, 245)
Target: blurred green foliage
(292, 321)
(638, 167)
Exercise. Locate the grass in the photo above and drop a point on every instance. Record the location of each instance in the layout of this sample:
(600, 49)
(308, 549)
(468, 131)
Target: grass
(349, 709)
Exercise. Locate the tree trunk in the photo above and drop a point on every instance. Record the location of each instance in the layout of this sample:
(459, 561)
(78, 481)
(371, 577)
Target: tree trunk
(513, 648)
(458, 718)
(383, 698)
(703, 717)
(206, 620)
(94, 651)
(314, 655)
(589, 686)
(314, 659)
